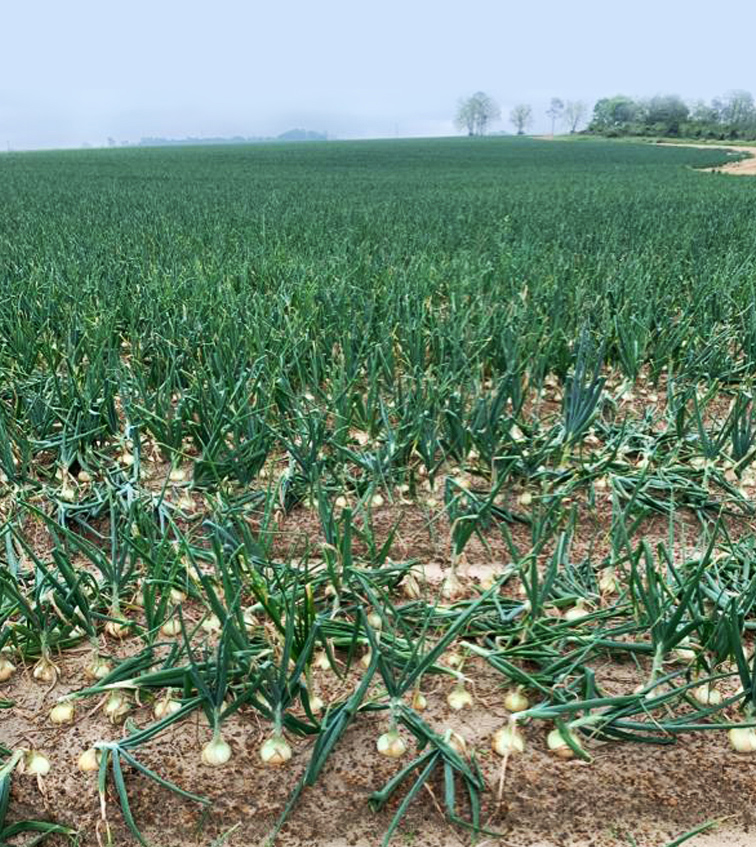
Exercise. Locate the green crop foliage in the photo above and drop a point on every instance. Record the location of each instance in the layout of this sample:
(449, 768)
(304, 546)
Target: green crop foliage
(515, 340)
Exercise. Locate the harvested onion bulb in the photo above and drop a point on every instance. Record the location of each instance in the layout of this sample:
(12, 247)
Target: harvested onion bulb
(45, 670)
(171, 627)
(516, 701)
(608, 581)
(452, 588)
(508, 740)
(117, 629)
(743, 739)
(7, 669)
(577, 612)
(456, 742)
(216, 752)
(321, 661)
(459, 698)
(36, 764)
(116, 706)
(707, 695)
(411, 587)
(62, 713)
(165, 706)
(97, 667)
(419, 701)
(89, 760)
(391, 744)
(275, 751)
(558, 746)
(212, 624)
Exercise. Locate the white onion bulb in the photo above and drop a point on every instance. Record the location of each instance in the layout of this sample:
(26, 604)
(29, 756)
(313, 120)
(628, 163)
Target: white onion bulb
(216, 753)
(452, 588)
(89, 760)
(459, 698)
(45, 670)
(7, 669)
(516, 701)
(62, 713)
(508, 740)
(212, 624)
(117, 629)
(391, 744)
(419, 701)
(742, 739)
(165, 706)
(116, 706)
(97, 668)
(707, 695)
(36, 764)
(275, 751)
(558, 746)
(171, 627)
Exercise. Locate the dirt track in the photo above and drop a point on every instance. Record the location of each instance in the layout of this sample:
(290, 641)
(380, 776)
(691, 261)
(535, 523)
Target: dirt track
(743, 167)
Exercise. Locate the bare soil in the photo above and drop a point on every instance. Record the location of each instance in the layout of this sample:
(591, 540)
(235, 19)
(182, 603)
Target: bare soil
(743, 167)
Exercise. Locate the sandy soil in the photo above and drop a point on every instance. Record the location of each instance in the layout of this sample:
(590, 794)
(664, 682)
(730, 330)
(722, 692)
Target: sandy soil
(743, 167)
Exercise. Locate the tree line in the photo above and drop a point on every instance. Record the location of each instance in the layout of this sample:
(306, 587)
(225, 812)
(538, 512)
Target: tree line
(730, 116)
(476, 113)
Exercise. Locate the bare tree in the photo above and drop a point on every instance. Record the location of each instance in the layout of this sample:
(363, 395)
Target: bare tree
(574, 114)
(475, 113)
(555, 111)
(522, 117)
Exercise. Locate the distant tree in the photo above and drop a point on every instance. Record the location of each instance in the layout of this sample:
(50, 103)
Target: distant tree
(703, 113)
(555, 110)
(475, 114)
(614, 112)
(574, 114)
(738, 109)
(522, 117)
(111, 142)
(666, 112)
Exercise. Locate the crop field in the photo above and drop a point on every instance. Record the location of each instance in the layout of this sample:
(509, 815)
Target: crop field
(376, 492)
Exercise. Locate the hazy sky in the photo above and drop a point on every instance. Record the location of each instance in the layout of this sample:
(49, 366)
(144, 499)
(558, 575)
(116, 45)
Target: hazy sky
(78, 70)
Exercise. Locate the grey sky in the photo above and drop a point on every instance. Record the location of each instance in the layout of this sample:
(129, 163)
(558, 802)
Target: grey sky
(81, 70)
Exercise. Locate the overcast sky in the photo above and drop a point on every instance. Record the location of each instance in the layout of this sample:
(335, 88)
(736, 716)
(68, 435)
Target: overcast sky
(78, 70)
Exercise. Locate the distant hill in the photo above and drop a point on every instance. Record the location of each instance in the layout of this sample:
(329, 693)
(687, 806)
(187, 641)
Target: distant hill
(302, 135)
(289, 135)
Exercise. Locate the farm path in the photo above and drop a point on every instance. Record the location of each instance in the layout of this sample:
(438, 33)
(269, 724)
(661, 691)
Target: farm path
(743, 167)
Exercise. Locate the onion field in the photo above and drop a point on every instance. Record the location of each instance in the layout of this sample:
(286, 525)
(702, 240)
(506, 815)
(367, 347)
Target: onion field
(391, 491)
